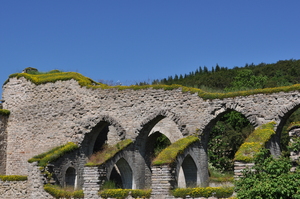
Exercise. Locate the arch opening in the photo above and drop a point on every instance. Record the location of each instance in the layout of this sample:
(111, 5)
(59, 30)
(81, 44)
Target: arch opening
(122, 175)
(223, 137)
(188, 173)
(71, 178)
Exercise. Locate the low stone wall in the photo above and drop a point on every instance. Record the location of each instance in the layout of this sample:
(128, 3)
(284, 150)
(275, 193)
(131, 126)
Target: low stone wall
(14, 189)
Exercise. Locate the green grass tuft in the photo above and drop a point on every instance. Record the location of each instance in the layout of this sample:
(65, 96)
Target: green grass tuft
(169, 154)
(4, 112)
(53, 154)
(256, 140)
(13, 178)
(107, 153)
(59, 192)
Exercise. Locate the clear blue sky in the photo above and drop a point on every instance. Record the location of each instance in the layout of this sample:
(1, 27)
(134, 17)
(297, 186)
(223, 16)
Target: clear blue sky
(137, 40)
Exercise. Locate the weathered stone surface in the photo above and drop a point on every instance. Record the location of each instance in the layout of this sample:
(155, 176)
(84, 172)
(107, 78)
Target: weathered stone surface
(49, 115)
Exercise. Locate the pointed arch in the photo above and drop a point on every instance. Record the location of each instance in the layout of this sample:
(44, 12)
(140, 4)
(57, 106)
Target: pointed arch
(122, 174)
(100, 132)
(188, 173)
(71, 178)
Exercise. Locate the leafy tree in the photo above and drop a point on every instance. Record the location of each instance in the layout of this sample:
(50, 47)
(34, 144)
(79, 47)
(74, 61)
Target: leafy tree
(225, 139)
(246, 80)
(269, 178)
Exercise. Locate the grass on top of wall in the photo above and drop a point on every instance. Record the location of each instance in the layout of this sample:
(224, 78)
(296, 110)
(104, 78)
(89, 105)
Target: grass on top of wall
(169, 154)
(107, 153)
(256, 140)
(4, 112)
(13, 178)
(55, 75)
(44, 158)
(59, 192)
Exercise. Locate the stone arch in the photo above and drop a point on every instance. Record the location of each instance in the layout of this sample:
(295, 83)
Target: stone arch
(70, 177)
(187, 176)
(105, 129)
(122, 174)
(283, 114)
(217, 115)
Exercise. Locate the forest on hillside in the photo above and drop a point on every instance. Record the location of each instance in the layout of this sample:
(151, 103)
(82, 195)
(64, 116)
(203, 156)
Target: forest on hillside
(219, 78)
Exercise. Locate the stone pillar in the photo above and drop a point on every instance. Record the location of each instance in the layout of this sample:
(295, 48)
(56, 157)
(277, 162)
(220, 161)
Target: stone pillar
(91, 185)
(162, 181)
(239, 167)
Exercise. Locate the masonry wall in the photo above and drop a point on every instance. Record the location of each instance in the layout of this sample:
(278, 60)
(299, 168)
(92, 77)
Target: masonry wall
(52, 114)
(3, 143)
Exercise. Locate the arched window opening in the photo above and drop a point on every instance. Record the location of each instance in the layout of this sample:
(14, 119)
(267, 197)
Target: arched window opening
(187, 176)
(122, 175)
(71, 178)
(156, 142)
(227, 135)
(101, 138)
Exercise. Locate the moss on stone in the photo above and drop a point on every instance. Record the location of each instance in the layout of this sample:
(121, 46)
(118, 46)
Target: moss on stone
(169, 154)
(44, 158)
(107, 153)
(124, 193)
(4, 112)
(293, 125)
(13, 178)
(55, 75)
(59, 192)
(256, 140)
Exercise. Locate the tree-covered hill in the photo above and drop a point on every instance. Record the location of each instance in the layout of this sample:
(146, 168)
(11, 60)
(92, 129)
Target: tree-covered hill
(282, 73)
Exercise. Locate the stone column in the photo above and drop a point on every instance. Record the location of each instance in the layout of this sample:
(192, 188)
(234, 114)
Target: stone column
(162, 181)
(91, 185)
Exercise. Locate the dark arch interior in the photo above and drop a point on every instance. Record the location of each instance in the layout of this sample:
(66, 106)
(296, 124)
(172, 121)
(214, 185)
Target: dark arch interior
(190, 171)
(101, 138)
(70, 177)
(121, 174)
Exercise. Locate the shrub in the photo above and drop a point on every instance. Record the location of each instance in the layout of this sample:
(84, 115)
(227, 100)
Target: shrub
(219, 192)
(123, 193)
(169, 154)
(269, 178)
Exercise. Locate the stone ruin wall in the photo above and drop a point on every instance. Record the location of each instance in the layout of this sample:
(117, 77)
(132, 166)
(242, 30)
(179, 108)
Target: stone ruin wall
(53, 114)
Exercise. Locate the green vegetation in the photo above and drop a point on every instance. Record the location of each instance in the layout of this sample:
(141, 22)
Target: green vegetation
(123, 193)
(218, 192)
(255, 142)
(58, 192)
(225, 139)
(160, 144)
(169, 154)
(282, 73)
(269, 178)
(49, 156)
(215, 175)
(13, 178)
(4, 112)
(107, 153)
